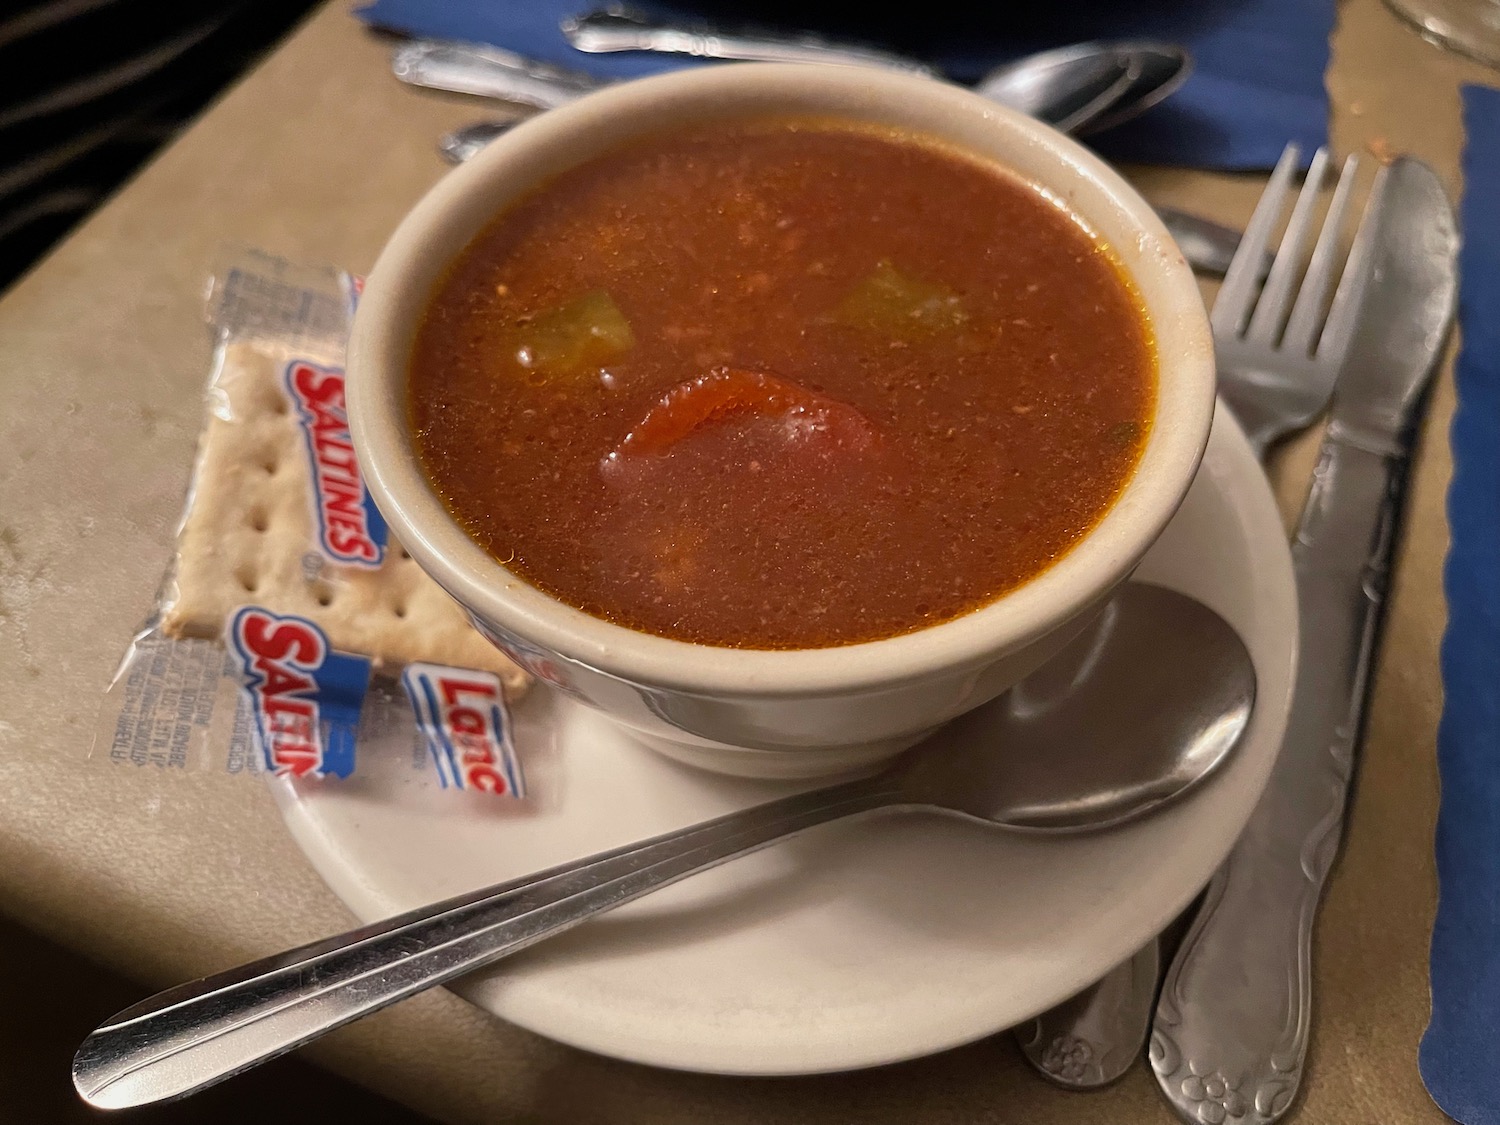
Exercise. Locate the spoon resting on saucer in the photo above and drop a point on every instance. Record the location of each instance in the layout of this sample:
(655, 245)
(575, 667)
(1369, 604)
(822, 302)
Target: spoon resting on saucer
(1145, 704)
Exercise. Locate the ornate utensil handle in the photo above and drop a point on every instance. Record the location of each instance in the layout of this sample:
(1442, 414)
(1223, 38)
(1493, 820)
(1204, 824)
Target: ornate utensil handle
(488, 72)
(1092, 1039)
(618, 29)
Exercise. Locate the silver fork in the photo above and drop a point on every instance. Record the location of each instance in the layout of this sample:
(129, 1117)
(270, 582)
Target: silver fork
(1276, 373)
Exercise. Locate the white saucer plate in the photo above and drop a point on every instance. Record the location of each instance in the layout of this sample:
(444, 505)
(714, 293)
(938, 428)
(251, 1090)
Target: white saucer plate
(857, 944)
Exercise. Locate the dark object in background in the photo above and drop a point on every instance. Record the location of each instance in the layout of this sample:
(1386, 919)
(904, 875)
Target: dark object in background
(89, 89)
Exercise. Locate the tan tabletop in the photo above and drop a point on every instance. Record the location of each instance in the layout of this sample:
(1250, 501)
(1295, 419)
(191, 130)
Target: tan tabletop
(102, 349)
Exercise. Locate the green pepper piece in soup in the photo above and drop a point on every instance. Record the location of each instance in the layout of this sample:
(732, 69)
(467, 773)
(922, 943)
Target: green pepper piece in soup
(574, 338)
(898, 305)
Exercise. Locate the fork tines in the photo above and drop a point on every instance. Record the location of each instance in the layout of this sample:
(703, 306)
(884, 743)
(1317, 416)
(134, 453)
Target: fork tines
(1238, 312)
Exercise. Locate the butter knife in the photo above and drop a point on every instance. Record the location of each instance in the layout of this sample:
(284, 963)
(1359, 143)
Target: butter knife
(1229, 1041)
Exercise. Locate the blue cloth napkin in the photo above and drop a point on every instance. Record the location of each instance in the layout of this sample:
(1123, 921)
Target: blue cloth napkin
(1462, 1045)
(1258, 82)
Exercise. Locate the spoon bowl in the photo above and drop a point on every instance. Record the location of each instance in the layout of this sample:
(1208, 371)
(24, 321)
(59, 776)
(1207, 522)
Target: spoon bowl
(1172, 678)
(1089, 87)
(1037, 759)
(1158, 70)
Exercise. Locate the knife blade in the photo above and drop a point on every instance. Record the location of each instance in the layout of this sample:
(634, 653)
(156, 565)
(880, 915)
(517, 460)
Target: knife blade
(1230, 1034)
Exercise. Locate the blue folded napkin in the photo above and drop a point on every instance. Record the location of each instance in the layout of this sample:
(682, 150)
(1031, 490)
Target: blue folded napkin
(1462, 1045)
(1258, 82)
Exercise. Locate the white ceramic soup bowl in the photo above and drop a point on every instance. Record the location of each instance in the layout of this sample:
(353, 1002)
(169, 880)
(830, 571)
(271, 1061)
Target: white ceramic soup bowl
(770, 713)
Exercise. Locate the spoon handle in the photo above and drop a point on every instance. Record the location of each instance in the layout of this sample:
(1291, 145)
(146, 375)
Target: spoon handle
(1208, 245)
(489, 72)
(609, 30)
(199, 1033)
(1094, 1038)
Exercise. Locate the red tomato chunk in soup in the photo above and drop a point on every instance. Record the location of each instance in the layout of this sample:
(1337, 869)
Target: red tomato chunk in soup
(782, 384)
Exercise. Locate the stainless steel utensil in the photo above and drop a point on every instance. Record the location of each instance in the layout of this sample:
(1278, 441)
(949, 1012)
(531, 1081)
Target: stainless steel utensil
(1174, 666)
(486, 72)
(489, 72)
(1277, 372)
(1156, 69)
(619, 28)
(1231, 1028)
(1089, 87)
(466, 141)
(1094, 1038)
(1083, 88)
(1208, 246)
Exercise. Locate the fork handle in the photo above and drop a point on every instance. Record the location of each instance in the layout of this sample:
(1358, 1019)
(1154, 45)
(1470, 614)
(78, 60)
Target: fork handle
(192, 1036)
(1230, 1036)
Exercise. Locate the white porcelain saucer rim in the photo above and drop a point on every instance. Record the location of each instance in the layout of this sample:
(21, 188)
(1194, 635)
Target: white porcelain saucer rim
(1241, 486)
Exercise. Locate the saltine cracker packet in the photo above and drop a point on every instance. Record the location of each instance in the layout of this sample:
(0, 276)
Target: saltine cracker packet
(291, 627)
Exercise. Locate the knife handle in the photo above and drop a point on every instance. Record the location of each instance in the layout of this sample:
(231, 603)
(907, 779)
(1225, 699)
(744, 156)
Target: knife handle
(1231, 1029)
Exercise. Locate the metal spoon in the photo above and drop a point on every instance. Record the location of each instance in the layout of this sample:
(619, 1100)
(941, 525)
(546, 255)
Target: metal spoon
(1089, 87)
(1056, 754)
(1078, 89)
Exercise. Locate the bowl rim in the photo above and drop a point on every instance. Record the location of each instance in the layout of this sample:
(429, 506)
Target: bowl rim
(454, 210)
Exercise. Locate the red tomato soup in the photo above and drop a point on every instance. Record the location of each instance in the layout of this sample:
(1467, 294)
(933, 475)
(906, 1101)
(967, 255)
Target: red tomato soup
(782, 384)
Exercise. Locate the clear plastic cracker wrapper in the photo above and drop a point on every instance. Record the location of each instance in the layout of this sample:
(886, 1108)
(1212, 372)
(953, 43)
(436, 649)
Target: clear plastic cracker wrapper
(292, 634)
